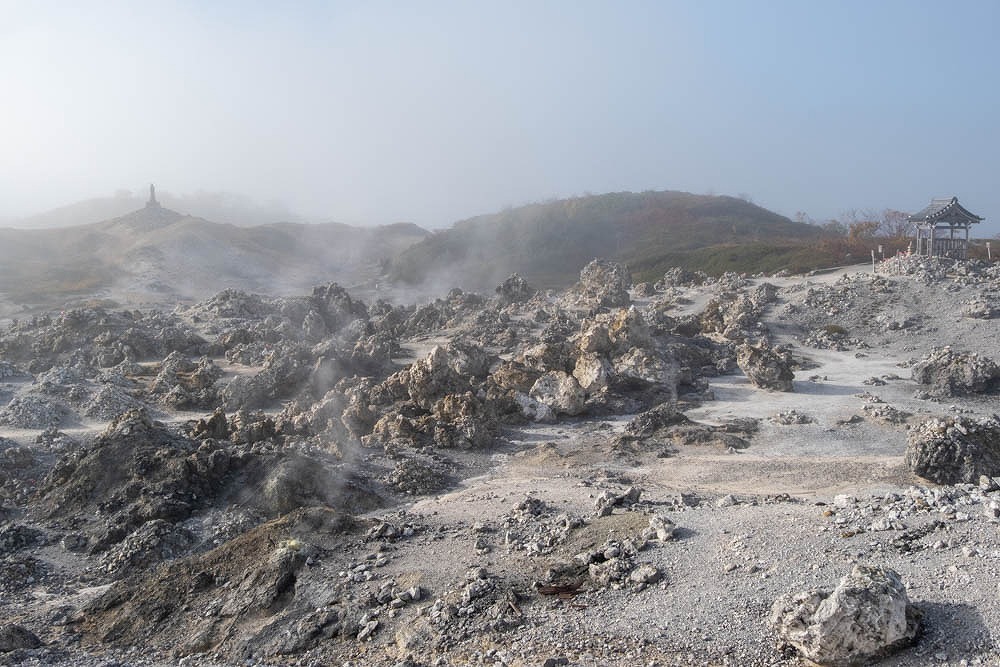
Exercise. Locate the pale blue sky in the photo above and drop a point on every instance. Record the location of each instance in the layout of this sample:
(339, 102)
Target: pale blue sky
(373, 112)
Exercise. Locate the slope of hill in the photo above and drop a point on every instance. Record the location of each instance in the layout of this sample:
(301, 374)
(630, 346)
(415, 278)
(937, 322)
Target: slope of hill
(216, 206)
(549, 243)
(158, 255)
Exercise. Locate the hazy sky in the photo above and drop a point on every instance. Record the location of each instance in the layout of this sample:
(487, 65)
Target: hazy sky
(374, 112)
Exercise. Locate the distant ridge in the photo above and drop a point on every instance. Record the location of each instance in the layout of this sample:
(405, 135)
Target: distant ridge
(215, 206)
(549, 243)
(154, 255)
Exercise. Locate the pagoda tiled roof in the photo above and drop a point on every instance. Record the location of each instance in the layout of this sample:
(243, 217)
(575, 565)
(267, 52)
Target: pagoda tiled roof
(942, 208)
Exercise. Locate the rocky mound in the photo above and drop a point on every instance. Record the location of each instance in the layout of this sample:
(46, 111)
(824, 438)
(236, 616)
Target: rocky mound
(765, 367)
(954, 449)
(141, 481)
(238, 598)
(947, 372)
(664, 428)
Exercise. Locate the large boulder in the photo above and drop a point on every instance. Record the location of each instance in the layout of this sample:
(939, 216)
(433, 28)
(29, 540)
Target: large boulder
(560, 391)
(627, 328)
(951, 373)
(765, 367)
(430, 378)
(954, 449)
(532, 409)
(867, 616)
(336, 307)
(462, 421)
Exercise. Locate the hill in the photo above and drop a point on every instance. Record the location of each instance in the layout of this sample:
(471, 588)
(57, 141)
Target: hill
(156, 255)
(651, 231)
(215, 206)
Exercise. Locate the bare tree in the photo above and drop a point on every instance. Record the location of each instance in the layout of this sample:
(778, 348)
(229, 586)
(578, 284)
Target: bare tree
(835, 227)
(894, 224)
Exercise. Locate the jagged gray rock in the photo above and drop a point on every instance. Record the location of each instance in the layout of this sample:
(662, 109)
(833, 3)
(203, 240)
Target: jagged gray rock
(14, 637)
(560, 391)
(954, 449)
(765, 367)
(604, 283)
(867, 616)
(952, 373)
(514, 290)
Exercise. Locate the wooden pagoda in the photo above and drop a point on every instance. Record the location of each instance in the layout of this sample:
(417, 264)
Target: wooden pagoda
(936, 226)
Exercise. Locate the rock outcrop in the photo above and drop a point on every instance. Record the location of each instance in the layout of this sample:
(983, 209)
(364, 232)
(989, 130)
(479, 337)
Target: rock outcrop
(514, 290)
(951, 373)
(603, 284)
(14, 637)
(765, 367)
(954, 449)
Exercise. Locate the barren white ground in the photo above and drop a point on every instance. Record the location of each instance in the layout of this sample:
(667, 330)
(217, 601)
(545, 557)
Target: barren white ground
(731, 559)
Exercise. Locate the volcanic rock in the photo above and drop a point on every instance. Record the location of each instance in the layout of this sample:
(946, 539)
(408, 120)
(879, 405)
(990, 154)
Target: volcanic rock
(646, 366)
(514, 290)
(867, 616)
(604, 284)
(559, 391)
(951, 373)
(765, 367)
(593, 372)
(14, 637)
(954, 449)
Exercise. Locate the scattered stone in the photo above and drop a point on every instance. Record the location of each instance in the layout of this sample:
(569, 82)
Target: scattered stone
(790, 418)
(645, 574)
(660, 528)
(607, 500)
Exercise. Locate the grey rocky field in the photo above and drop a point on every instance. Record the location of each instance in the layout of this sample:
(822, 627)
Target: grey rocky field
(740, 470)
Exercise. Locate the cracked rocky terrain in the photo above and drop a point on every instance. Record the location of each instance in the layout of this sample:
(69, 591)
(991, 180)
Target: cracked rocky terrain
(743, 470)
